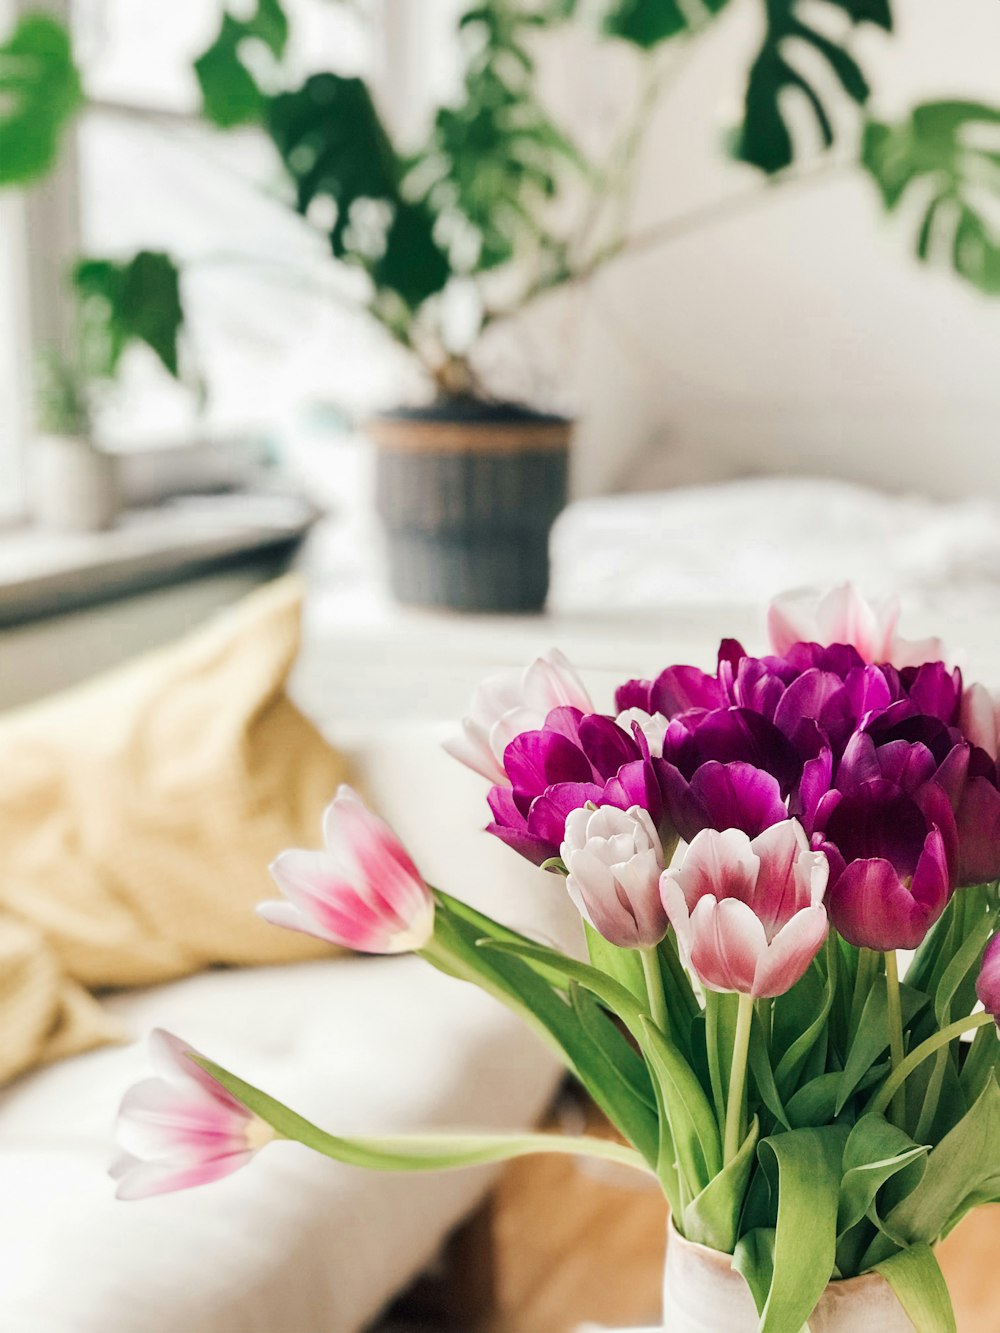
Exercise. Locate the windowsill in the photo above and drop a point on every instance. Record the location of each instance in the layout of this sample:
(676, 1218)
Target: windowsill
(44, 573)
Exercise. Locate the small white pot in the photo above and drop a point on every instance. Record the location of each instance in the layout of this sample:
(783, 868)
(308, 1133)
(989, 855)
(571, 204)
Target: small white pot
(702, 1293)
(74, 487)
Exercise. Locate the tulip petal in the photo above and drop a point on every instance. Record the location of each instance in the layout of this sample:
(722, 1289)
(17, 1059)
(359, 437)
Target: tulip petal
(736, 796)
(143, 1180)
(678, 689)
(786, 958)
(726, 941)
(157, 1119)
(780, 889)
(718, 864)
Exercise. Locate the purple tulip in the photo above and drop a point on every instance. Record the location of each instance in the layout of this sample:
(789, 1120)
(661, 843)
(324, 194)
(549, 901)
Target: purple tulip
(988, 984)
(890, 874)
(574, 758)
(978, 816)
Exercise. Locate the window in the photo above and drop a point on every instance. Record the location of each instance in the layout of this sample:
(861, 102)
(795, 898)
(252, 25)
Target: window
(269, 322)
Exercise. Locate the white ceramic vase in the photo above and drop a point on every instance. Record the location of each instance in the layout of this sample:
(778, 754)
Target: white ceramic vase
(74, 485)
(703, 1294)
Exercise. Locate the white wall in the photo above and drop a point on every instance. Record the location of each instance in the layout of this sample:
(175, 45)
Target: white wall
(805, 337)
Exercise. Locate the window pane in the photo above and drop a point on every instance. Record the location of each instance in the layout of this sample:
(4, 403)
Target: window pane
(267, 309)
(15, 371)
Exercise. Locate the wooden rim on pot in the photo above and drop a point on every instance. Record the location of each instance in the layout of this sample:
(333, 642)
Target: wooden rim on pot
(403, 435)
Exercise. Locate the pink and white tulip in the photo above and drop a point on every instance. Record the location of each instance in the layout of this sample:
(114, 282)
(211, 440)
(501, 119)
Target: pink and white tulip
(980, 719)
(749, 915)
(511, 702)
(615, 859)
(843, 615)
(362, 892)
(182, 1128)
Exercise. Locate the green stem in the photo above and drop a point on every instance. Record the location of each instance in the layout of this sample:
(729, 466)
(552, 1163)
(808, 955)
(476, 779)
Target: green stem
(737, 1080)
(896, 1050)
(654, 988)
(916, 1057)
(864, 980)
(416, 1152)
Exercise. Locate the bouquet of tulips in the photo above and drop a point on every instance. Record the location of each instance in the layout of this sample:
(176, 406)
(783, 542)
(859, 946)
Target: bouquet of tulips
(748, 850)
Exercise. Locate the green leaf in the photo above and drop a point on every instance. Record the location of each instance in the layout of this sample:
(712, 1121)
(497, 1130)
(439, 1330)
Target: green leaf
(962, 1171)
(955, 994)
(40, 92)
(803, 1168)
(980, 1063)
(638, 1114)
(417, 1152)
(230, 93)
(765, 138)
(496, 158)
(948, 151)
(122, 303)
(647, 23)
(337, 152)
(875, 1151)
(518, 984)
(623, 965)
(720, 1032)
(713, 1217)
(754, 1259)
(694, 1133)
(763, 1075)
(872, 1037)
(920, 1288)
(791, 1063)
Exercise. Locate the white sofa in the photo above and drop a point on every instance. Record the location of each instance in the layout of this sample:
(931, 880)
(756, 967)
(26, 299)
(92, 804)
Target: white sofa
(294, 1243)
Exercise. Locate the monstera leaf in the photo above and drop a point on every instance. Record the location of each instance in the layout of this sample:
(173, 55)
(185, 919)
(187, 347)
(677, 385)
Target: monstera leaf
(336, 150)
(39, 93)
(949, 152)
(137, 300)
(230, 94)
(497, 158)
(765, 137)
(646, 23)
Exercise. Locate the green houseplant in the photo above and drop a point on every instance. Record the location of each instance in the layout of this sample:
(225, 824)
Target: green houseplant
(116, 305)
(498, 205)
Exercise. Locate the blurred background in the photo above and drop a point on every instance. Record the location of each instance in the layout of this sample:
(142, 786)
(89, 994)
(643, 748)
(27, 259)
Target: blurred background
(503, 323)
(724, 242)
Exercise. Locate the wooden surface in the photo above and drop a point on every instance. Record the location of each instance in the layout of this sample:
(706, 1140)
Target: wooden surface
(565, 1243)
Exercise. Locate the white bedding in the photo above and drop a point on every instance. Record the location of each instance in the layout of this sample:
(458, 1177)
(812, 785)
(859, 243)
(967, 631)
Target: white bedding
(294, 1243)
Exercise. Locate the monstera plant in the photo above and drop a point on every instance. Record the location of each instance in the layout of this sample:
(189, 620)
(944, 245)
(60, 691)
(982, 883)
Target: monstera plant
(499, 205)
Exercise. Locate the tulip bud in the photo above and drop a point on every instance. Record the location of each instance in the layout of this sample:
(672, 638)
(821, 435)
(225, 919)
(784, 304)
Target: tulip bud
(652, 725)
(980, 719)
(749, 915)
(988, 984)
(843, 616)
(614, 858)
(182, 1128)
(363, 892)
(512, 702)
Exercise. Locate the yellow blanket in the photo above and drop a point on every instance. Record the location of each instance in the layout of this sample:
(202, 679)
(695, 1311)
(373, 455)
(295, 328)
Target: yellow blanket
(138, 815)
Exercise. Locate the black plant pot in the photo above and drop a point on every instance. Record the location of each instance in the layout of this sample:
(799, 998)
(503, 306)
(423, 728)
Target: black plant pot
(468, 492)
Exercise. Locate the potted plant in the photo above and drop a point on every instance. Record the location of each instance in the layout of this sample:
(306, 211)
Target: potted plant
(748, 849)
(497, 206)
(117, 304)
